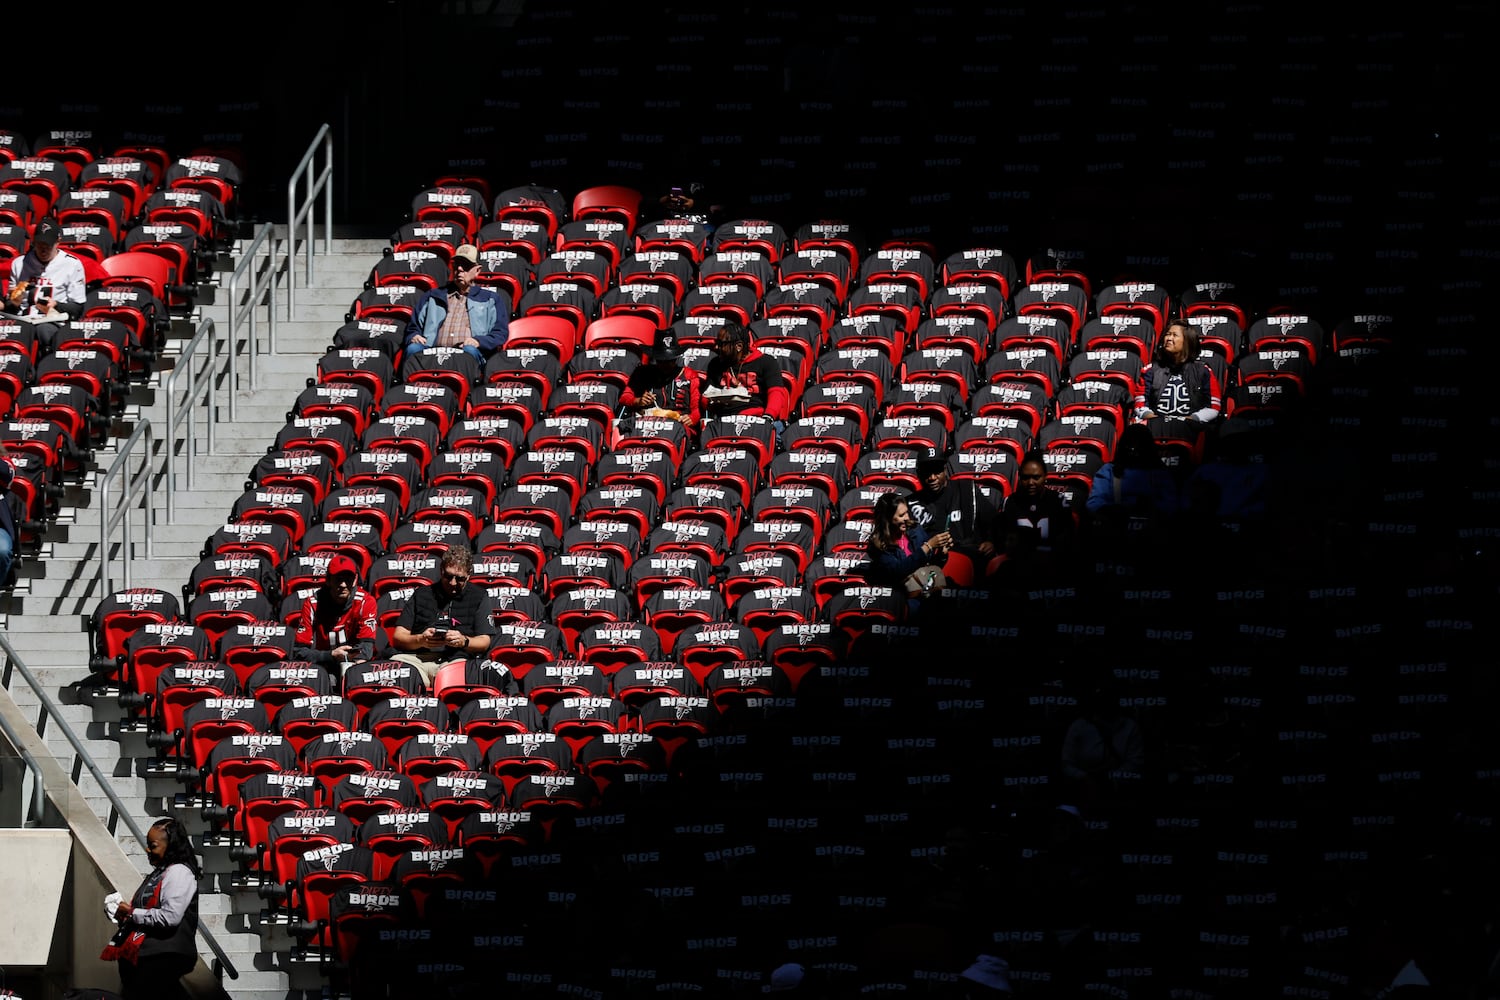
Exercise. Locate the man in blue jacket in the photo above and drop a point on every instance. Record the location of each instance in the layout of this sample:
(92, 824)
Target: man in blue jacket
(479, 327)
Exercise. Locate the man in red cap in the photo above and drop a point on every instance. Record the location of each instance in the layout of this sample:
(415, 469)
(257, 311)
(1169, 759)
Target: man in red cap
(338, 620)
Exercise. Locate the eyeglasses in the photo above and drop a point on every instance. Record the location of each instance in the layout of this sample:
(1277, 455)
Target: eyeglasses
(456, 577)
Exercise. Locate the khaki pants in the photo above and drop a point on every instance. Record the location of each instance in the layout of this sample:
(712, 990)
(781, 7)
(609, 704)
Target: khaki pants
(427, 664)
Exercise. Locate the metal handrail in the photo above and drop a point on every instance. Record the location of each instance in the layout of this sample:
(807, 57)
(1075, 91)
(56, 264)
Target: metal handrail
(118, 811)
(109, 517)
(259, 280)
(175, 416)
(307, 211)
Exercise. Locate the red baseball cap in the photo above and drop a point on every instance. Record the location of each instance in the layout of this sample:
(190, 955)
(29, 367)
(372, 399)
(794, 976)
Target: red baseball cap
(341, 566)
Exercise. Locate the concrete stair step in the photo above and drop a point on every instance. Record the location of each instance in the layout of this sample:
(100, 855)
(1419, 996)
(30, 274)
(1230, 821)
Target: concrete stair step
(340, 272)
(354, 246)
(326, 298)
(49, 606)
(214, 505)
(253, 411)
(231, 459)
(96, 740)
(185, 547)
(52, 679)
(293, 358)
(247, 435)
(87, 546)
(306, 337)
(326, 265)
(47, 625)
(164, 568)
(71, 600)
(254, 983)
(58, 657)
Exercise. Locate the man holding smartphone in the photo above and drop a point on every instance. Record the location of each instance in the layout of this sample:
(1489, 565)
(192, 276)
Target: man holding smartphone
(445, 621)
(962, 509)
(46, 283)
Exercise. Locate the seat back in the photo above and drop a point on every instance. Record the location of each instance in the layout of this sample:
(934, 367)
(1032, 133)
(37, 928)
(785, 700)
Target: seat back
(140, 267)
(609, 201)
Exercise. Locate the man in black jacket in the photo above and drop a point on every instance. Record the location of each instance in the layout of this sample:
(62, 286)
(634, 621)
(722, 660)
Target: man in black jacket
(445, 621)
(963, 509)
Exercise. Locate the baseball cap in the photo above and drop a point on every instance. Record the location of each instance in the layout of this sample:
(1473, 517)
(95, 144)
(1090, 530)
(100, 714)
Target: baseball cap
(46, 231)
(468, 253)
(929, 459)
(341, 566)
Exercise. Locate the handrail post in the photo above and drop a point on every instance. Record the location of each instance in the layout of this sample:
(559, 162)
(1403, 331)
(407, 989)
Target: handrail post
(121, 513)
(272, 255)
(187, 370)
(317, 181)
(252, 338)
(328, 196)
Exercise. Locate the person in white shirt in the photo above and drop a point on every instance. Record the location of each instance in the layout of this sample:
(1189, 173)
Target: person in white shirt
(46, 281)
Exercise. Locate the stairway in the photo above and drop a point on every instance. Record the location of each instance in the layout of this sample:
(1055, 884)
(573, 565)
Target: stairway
(47, 616)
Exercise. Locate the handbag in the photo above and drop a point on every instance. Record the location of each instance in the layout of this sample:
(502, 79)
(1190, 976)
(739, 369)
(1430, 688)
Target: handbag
(924, 581)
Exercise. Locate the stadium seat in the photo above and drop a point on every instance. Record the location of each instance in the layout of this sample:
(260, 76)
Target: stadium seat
(613, 202)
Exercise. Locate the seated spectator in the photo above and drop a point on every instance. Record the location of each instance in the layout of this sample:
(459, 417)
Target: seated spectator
(1102, 748)
(691, 203)
(338, 620)
(665, 384)
(480, 327)
(742, 380)
(1036, 529)
(1136, 490)
(444, 622)
(960, 509)
(1231, 484)
(1180, 395)
(46, 284)
(899, 547)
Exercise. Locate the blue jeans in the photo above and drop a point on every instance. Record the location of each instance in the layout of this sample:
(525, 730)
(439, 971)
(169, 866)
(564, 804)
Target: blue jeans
(7, 554)
(472, 352)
